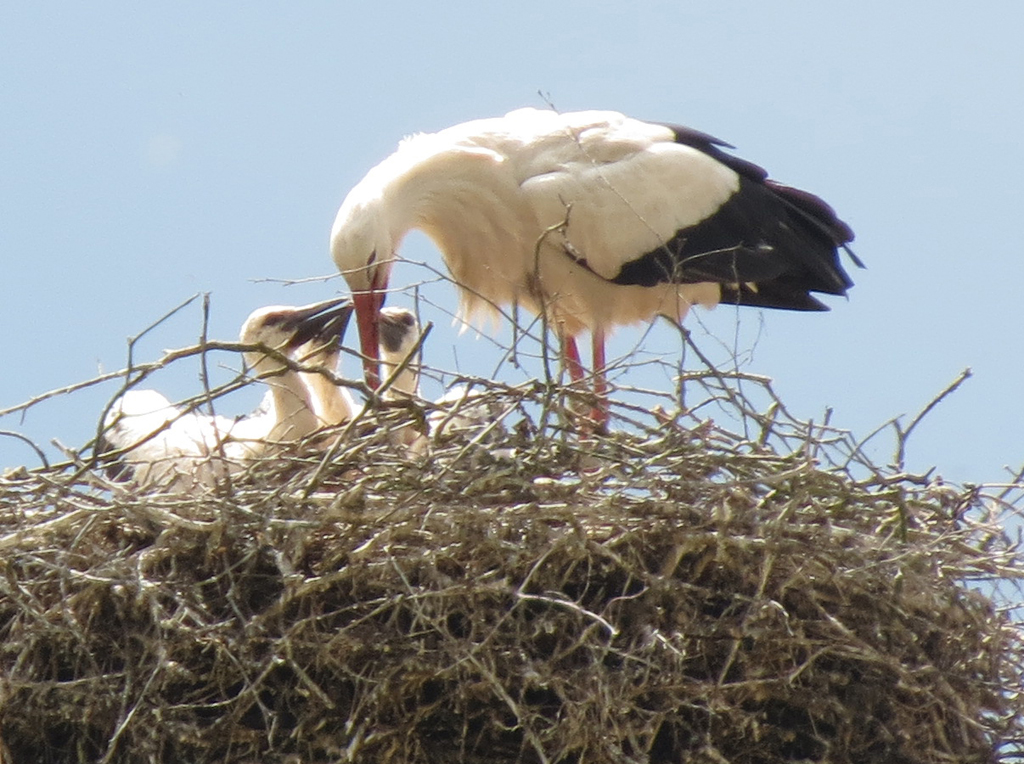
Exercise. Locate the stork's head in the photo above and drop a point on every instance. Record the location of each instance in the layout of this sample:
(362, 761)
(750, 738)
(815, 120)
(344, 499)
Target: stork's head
(399, 333)
(361, 244)
(364, 251)
(286, 328)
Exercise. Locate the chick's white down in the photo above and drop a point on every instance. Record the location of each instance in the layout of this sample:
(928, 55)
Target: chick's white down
(178, 450)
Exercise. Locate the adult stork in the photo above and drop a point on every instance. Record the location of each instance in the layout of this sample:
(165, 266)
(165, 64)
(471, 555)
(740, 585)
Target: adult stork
(178, 450)
(592, 218)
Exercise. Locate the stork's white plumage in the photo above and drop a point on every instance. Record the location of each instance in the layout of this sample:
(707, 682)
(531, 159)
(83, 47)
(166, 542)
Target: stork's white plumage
(465, 412)
(333, 405)
(170, 448)
(399, 334)
(178, 450)
(593, 218)
(292, 415)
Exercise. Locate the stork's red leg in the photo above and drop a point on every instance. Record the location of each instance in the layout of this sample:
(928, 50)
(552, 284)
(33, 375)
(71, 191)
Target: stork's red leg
(571, 357)
(367, 305)
(573, 364)
(600, 412)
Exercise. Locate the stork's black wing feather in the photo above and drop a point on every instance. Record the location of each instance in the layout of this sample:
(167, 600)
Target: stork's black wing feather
(780, 239)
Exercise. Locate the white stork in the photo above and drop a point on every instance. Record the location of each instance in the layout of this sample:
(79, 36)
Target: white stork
(178, 450)
(399, 338)
(399, 332)
(169, 448)
(332, 404)
(593, 218)
(464, 411)
(459, 412)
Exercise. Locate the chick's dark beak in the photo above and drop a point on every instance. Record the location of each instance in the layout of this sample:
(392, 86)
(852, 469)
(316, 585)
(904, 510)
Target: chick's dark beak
(323, 321)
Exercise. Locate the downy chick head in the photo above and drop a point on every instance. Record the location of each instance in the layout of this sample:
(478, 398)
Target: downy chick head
(286, 328)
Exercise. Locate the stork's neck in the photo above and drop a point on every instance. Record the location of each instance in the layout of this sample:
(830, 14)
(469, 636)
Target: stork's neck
(469, 203)
(294, 417)
(406, 384)
(332, 404)
(440, 188)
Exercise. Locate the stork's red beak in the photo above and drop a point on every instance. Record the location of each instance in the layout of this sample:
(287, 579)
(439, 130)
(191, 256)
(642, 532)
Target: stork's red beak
(368, 305)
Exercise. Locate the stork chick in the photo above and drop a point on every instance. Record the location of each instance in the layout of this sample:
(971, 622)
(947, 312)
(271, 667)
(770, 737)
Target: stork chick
(178, 450)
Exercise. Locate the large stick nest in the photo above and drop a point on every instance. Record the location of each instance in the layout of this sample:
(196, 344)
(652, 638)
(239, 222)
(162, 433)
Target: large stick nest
(671, 592)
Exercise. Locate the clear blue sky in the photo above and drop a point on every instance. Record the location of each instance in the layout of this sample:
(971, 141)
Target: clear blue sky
(152, 151)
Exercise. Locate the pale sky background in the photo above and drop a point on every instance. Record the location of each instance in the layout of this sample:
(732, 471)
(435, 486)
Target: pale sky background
(152, 151)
